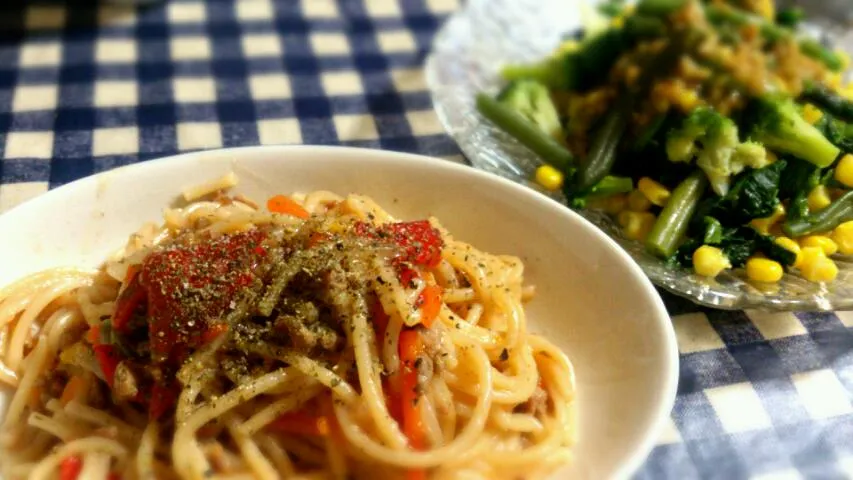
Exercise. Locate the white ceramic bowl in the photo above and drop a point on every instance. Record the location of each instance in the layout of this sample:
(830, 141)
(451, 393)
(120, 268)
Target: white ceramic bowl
(593, 300)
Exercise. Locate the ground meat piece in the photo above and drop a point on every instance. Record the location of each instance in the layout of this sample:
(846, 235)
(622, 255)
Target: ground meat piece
(306, 330)
(125, 383)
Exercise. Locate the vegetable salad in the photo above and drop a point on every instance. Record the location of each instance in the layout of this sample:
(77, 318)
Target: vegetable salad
(714, 131)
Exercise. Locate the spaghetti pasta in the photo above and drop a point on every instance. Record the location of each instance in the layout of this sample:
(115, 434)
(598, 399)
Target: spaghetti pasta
(319, 338)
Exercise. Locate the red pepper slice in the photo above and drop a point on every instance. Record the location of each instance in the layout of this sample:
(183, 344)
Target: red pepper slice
(421, 244)
(108, 358)
(131, 297)
(70, 467)
(212, 332)
(420, 241)
(162, 399)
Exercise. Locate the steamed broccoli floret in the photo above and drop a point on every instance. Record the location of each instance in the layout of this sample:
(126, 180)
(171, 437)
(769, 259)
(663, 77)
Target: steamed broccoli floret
(533, 101)
(712, 140)
(777, 124)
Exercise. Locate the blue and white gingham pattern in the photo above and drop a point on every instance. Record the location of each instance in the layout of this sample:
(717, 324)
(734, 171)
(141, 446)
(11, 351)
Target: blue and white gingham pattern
(90, 87)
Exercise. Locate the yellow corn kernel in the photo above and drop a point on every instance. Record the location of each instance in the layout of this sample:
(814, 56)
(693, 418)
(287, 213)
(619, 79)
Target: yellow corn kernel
(549, 177)
(843, 237)
(812, 114)
(816, 267)
(611, 204)
(833, 80)
(654, 191)
(818, 198)
(636, 225)
(763, 225)
(709, 261)
(766, 8)
(686, 99)
(822, 242)
(637, 202)
(726, 55)
(764, 270)
(844, 170)
(790, 245)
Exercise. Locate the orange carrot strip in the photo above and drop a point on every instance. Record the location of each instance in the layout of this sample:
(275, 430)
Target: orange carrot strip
(72, 389)
(93, 335)
(285, 205)
(411, 348)
(430, 301)
(301, 423)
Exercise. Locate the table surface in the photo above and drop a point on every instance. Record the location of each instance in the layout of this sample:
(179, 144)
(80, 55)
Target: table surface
(94, 87)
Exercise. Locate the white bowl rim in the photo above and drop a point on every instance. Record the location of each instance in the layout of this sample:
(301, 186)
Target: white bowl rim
(670, 379)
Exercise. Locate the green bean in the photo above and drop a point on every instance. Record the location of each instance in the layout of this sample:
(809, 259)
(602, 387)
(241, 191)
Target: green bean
(671, 225)
(659, 8)
(815, 50)
(838, 212)
(720, 14)
(525, 132)
(602, 150)
(826, 99)
(611, 185)
(648, 133)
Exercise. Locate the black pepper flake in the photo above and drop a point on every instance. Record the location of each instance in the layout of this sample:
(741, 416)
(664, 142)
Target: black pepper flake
(504, 355)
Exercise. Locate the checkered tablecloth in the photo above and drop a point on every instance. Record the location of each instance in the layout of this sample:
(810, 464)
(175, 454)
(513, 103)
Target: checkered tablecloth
(88, 87)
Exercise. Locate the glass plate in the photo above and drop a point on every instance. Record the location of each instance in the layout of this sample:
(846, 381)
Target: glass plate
(467, 56)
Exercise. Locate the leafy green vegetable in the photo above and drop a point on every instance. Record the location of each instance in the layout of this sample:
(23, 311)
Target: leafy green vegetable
(577, 70)
(713, 231)
(828, 100)
(659, 7)
(641, 27)
(796, 182)
(612, 8)
(738, 243)
(755, 194)
(838, 132)
(790, 17)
